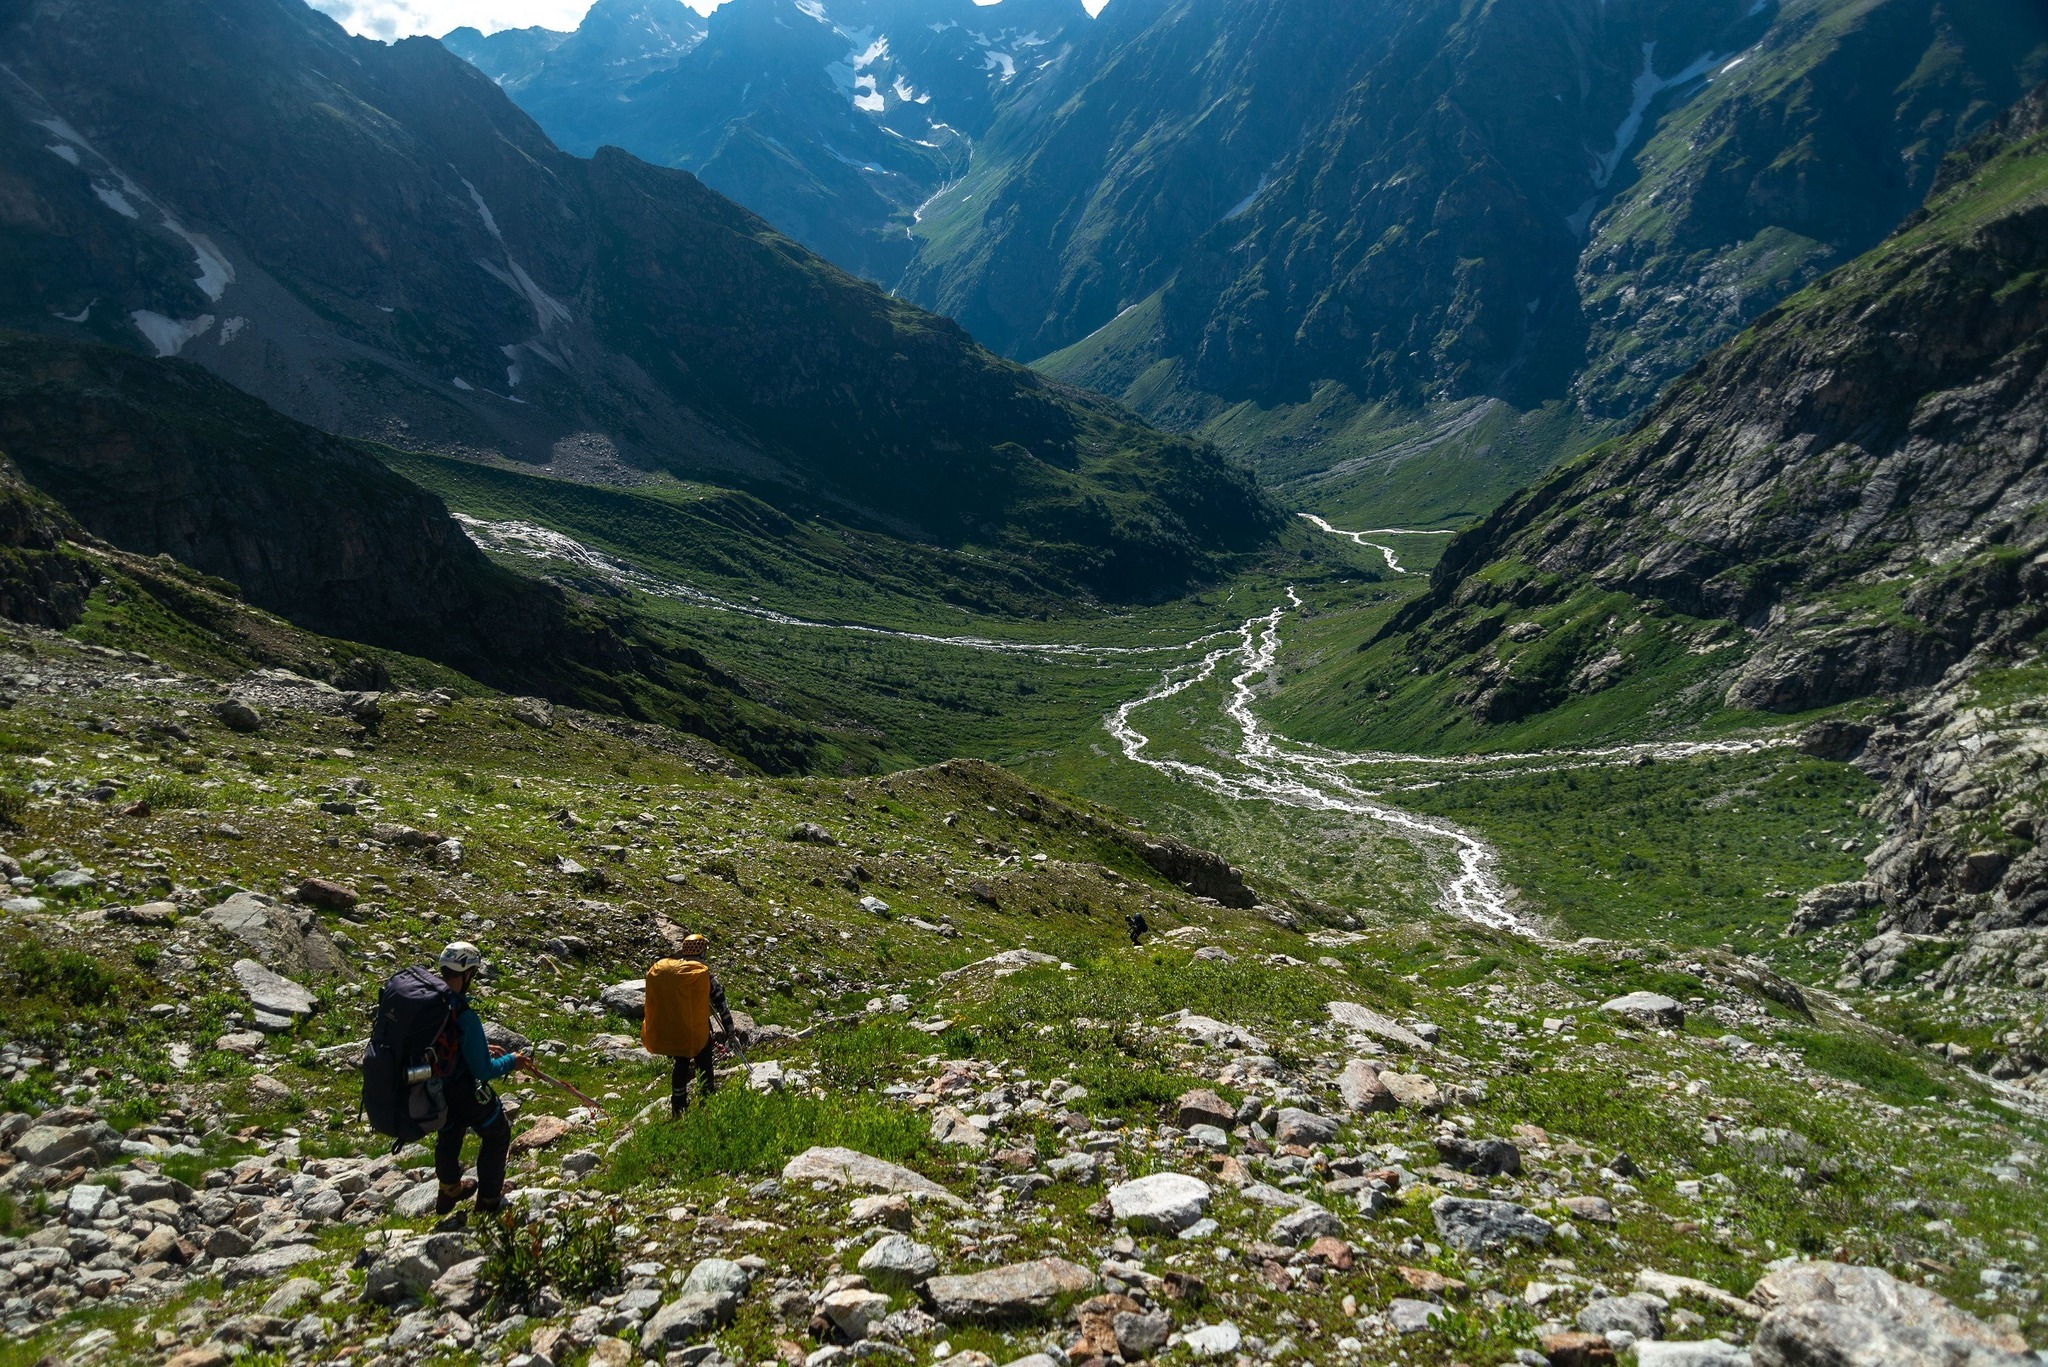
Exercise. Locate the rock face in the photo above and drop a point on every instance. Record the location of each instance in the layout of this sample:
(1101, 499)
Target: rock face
(1163, 1203)
(1017, 1291)
(1200, 872)
(1767, 488)
(1823, 1314)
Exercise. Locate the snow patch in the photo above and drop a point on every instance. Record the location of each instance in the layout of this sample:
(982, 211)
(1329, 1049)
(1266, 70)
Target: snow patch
(115, 200)
(231, 329)
(79, 316)
(463, 385)
(814, 10)
(1003, 60)
(483, 211)
(1648, 86)
(168, 335)
(1248, 200)
(216, 272)
(64, 150)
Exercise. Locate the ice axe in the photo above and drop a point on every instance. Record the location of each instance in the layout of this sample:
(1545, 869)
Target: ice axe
(534, 1068)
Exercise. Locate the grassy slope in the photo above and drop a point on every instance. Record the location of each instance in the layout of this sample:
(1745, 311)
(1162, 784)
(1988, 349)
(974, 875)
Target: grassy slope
(1358, 464)
(793, 947)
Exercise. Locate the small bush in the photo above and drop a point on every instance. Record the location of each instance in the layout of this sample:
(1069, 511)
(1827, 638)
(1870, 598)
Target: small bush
(164, 792)
(523, 1253)
(14, 804)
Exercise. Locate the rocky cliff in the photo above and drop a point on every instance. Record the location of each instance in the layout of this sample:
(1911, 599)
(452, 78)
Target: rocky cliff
(1856, 483)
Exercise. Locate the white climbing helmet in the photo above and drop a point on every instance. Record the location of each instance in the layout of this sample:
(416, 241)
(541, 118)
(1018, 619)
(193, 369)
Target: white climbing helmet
(461, 957)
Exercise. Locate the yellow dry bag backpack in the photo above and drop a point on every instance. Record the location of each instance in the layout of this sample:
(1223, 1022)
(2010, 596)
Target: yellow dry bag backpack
(678, 1019)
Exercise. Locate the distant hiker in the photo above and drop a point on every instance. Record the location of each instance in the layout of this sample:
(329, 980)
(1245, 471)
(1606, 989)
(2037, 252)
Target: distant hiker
(682, 993)
(1135, 923)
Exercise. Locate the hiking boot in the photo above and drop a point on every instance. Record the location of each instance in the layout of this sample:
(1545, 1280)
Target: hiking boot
(449, 1224)
(490, 1205)
(451, 1196)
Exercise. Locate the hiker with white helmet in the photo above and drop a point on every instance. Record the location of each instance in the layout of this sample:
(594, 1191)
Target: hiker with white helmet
(472, 1105)
(682, 994)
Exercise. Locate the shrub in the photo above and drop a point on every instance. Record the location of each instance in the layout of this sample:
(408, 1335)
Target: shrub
(523, 1252)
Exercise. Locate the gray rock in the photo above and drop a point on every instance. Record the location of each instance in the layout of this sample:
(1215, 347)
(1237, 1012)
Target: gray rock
(854, 1310)
(1367, 1021)
(1831, 904)
(415, 1201)
(1304, 1226)
(1692, 1353)
(898, 1260)
(850, 1168)
(1306, 1128)
(811, 833)
(267, 1263)
(286, 1300)
(1413, 1091)
(1636, 1313)
(1014, 1292)
(400, 1274)
(538, 713)
(1828, 1314)
(1476, 1226)
(1163, 1203)
(1486, 1157)
(1360, 1086)
(285, 939)
(69, 881)
(237, 716)
(628, 999)
(1649, 1010)
(1141, 1334)
(1213, 1340)
(1204, 1107)
(270, 994)
(1412, 1316)
(717, 1277)
(688, 1317)
(60, 1146)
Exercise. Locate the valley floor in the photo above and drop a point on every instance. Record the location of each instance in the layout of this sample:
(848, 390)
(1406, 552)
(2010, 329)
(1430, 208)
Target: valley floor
(943, 983)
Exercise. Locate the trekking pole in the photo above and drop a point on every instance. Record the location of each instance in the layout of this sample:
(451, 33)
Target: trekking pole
(557, 1082)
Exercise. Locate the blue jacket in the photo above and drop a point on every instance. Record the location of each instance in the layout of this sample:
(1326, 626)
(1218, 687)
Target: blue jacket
(476, 1050)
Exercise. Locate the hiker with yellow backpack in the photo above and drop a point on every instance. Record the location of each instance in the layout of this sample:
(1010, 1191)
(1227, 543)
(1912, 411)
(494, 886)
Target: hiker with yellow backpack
(682, 994)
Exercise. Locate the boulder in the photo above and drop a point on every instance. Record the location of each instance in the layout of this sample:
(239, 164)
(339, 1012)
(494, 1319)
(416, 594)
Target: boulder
(538, 713)
(287, 940)
(1485, 1157)
(950, 1125)
(1367, 1021)
(1649, 1010)
(1163, 1203)
(324, 892)
(854, 1311)
(1213, 1340)
(850, 1168)
(237, 716)
(687, 1318)
(1831, 904)
(1013, 1292)
(1825, 1313)
(1637, 1313)
(280, 1003)
(1140, 1333)
(1477, 1226)
(1413, 1092)
(1204, 1107)
(628, 999)
(1296, 1126)
(1409, 1316)
(811, 833)
(1360, 1086)
(1304, 1225)
(267, 1263)
(61, 1146)
(898, 1260)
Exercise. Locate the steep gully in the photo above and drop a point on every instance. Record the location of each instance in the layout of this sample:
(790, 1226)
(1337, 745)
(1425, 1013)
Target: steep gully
(1266, 767)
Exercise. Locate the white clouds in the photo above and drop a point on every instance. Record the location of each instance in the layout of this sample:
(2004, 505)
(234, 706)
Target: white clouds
(392, 19)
